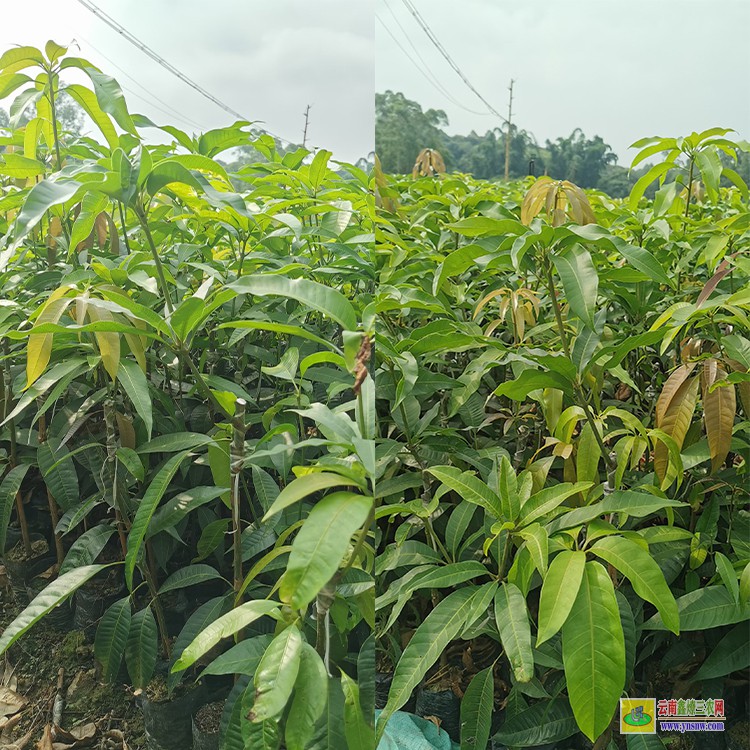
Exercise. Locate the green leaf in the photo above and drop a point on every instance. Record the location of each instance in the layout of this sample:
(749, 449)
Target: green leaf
(111, 100)
(87, 99)
(546, 500)
(86, 548)
(276, 674)
(730, 654)
(196, 624)
(644, 742)
(512, 620)
(242, 658)
(320, 545)
(132, 463)
(645, 576)
(9, 488)
(359, 734)
(704, 608)
(43, 196)
(533, 380)
(111, 637)
(726, 571)
(443, 577)
(429, 641)
(309, 701)
(176, 508)
(559, 592)
(544, 722)
(263, 735)
(643, 261)
(469, 487)
(232, 719)
(52, 596)
(317, 296)
(133, 380)
(580, 281)
(189, 576)
(304, 487)
(141, 648)
(59, 473)
(329, 731)
(594, 652)
(223, 627)
(263, 325)
(146, 509)
(656, 172)
(510, 500)
(629, 502)
(485, 226)
(477, 708)
(177, 441)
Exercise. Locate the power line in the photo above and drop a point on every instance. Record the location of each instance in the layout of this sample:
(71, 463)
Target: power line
(156, 102)
(123, 32)
(441, 49)
(427, 71)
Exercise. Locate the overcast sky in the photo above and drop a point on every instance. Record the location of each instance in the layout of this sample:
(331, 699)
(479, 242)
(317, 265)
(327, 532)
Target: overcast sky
(267, 59)
(622, 70)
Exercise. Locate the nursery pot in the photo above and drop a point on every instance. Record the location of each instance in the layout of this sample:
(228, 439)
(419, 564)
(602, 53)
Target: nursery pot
(383, 682)
(62, 615)
(92, 600)
(168, 723)
(21, 569)
(12, 537)
(206, 724)
(443, 704)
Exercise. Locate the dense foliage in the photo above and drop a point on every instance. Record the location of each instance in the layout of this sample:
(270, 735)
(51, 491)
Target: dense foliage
(185, 367)
(563, 404)
(403, 129)
(549, 483)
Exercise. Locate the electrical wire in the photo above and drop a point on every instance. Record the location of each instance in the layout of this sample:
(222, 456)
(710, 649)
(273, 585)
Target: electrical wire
(143, 47)
(432, 78)
(441, 49)
(155, 101)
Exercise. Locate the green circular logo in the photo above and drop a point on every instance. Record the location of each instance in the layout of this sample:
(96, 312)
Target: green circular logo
(637, 720)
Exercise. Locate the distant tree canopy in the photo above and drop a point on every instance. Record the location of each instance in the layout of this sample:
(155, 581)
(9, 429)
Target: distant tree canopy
(70, 116)
(403, 129)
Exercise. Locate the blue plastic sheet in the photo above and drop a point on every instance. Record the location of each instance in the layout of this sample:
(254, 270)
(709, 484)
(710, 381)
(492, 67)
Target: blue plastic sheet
(408, 732)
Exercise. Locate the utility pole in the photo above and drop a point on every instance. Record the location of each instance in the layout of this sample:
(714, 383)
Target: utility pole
(307, 122)
(508, 134)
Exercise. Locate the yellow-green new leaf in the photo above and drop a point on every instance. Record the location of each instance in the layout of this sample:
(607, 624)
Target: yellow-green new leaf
(646, 577)
(276, 674)
(512, 620)
(321, 544)
(559, 591)
(594, 652)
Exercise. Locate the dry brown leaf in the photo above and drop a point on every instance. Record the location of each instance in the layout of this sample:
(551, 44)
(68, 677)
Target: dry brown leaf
(675, 422)
(46, 742)
(10, 702)
(673, 384)
(719, 407)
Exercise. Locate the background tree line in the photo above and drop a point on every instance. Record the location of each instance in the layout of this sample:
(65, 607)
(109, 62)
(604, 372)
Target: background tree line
(403, 129)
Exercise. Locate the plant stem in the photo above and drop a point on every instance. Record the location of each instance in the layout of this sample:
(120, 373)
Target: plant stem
(237, 456)
(578, 388)
(184, 356)
(143, 221)
(148, 573)
(54, 515)
(13, 458)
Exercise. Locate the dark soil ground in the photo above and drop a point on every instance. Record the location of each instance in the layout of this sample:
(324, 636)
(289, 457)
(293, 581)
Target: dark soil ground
(95, 715)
